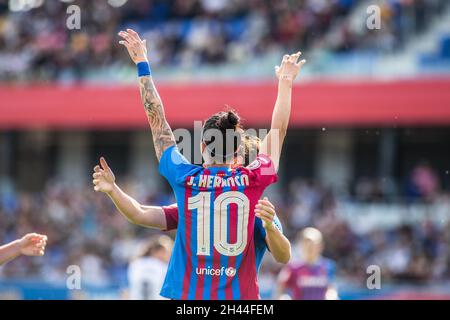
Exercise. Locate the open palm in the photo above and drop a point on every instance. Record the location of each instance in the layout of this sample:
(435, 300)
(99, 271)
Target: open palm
(289, 67)
(137, 48)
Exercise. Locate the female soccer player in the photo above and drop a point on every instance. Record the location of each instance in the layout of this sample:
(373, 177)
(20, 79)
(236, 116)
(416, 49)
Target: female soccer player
(214, 246)
(311, 278)
(268, 229)
(31, 244)
(147, 271)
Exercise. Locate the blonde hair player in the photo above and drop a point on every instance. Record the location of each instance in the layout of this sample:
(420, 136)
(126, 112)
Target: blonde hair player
(312, 277)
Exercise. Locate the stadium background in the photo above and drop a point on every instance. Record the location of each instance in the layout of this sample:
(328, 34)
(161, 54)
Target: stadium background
(367, 157)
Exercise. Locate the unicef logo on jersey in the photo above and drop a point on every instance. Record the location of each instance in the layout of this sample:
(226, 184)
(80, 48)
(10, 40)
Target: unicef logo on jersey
(229, 272)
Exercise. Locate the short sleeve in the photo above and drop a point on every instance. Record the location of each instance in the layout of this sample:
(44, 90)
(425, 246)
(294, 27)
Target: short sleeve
(277, 223)
(171, 213)
(260, 241)
(174, 166)
(261, 232)
(264, 169)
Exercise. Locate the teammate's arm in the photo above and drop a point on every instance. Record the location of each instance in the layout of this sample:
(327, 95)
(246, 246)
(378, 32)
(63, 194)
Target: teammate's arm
(278, 244)
(162, 133)
(31, 244)
(147, 216)
(286, 73)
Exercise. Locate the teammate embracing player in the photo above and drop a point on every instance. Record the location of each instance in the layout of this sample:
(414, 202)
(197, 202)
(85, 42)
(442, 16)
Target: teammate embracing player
(214, 256)
(268, 229)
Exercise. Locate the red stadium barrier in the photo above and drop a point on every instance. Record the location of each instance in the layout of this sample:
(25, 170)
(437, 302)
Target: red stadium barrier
(401, 103)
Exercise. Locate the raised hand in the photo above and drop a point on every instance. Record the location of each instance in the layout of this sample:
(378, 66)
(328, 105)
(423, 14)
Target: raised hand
(104, 178)
(33, 244)
(136, 47)
(289, 67)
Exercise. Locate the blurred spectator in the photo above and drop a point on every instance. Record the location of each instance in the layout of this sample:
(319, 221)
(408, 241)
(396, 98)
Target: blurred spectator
(84, 229)
(35, 44)
(423, 183)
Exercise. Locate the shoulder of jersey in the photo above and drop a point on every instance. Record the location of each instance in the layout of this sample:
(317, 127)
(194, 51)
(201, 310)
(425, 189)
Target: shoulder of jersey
(254, 165)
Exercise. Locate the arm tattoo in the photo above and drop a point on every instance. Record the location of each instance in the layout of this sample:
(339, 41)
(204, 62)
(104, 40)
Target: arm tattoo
(162, 134)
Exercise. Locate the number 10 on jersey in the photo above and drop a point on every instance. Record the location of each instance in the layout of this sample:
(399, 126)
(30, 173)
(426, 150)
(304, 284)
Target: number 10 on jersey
(202, 202)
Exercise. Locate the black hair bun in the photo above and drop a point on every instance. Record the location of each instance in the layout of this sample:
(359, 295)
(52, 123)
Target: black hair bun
(229, 120)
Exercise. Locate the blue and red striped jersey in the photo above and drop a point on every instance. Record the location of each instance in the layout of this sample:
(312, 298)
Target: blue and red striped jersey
(171, 215)
(214, 250)
(308, 281)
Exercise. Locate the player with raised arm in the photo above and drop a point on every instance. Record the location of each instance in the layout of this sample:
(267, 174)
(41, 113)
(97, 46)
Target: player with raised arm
(163, 137)
(214, 245)
(31, 244)
(268, 228)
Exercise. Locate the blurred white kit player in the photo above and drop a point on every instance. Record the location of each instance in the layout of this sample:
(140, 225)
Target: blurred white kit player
(146, 273)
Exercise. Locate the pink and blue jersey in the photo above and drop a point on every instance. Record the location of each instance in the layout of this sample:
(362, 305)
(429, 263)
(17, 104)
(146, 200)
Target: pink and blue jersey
(214, 252)
(308, 281)
(171, 215)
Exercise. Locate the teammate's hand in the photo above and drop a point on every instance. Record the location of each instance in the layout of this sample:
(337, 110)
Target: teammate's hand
(104, 178)
(265, 210)
(289, 67)
(137, 48)
(33, 244)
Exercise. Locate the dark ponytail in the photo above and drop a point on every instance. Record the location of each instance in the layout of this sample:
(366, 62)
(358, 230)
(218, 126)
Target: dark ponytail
(226, 122)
